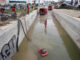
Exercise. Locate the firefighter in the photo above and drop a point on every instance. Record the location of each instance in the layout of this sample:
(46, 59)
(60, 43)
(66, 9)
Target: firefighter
(32, 7)
(2, 9)
(27, 9)
(13, 15)
(4, 17)
(13, 9)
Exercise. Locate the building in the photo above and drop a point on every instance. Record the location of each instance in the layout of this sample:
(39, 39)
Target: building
(61, 0)
(75, 3)
(22, 1)
(17, 1)
(2, 2)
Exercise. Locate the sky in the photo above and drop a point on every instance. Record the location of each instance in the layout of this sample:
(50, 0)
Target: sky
(31, 0)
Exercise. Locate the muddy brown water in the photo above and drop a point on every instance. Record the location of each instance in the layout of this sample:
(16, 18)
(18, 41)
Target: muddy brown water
(53, 38)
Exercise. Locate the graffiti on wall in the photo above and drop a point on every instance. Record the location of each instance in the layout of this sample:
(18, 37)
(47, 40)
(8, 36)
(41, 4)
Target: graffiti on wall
(9, 49)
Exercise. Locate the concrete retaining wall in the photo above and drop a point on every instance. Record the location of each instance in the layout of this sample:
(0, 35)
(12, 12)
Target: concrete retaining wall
(9, 35)
(70, 24)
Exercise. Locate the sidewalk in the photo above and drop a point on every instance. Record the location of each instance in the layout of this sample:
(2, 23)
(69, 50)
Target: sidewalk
(73, 13)
(70, 23)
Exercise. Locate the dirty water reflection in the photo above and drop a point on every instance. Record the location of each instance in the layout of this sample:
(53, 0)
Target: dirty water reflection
(43, 35)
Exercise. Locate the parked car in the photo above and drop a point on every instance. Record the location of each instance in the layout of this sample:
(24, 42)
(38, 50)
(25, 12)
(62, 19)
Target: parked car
(42, 10)
(49, 7)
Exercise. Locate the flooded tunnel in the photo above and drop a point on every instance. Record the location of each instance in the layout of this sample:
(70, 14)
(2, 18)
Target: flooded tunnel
(50, 36)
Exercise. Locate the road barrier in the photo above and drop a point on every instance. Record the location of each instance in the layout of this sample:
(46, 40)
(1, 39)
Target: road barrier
(70, 24)
(12, 35)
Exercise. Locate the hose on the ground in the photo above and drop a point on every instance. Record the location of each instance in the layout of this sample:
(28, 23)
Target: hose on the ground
(18, 32)
(20, 22)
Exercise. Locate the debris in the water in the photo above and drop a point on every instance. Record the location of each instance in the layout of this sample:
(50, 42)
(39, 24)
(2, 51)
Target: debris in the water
(43, 52)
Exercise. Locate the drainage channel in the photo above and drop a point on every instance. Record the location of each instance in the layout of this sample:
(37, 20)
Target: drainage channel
(53, 38)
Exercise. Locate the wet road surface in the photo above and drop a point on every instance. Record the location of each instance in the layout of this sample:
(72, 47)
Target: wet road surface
(43, 37)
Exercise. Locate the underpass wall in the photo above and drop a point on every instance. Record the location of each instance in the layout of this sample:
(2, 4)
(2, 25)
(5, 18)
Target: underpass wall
(10, 39)
(70, 24)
